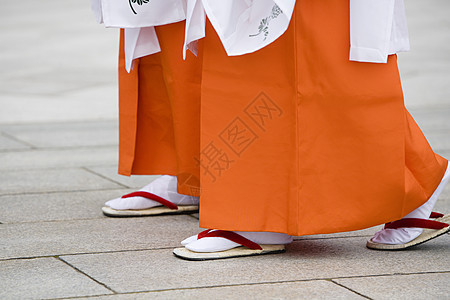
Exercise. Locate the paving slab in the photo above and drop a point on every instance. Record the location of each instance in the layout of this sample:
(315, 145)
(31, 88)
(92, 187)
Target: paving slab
(304, 260)
(9, 144)
(94, 235)
(44, 181)
(55, 206)
(58, 158)
(414, 286)
(79, 134)
(30, 278)
(316, 289)
(133, 181)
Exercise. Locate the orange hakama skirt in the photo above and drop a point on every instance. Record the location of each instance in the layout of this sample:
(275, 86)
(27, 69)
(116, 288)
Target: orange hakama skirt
(293, 138)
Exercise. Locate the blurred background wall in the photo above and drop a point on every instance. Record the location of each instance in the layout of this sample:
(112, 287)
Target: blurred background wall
(57, 63)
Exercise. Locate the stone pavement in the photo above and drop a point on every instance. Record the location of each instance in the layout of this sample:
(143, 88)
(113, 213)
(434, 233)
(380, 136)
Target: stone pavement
(58, 152)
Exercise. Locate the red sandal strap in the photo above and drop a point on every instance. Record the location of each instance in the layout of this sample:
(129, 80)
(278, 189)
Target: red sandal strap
(435, 215)
(230, 235)
(416, 223)
(203, 233)
(153, 197)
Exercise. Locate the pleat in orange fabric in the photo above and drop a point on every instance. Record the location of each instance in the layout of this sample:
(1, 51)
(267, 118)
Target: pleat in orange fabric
(297, 139)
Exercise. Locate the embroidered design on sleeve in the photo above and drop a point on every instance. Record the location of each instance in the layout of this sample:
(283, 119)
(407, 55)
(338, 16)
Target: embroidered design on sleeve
(138, 2)
(264, 24)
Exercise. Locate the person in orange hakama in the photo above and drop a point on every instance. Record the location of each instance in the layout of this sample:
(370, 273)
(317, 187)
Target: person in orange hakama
(159, 128)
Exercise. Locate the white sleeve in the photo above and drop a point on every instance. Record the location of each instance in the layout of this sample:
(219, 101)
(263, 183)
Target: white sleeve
(400, 37)
(370, 29)
(96, 6)
(377, 28)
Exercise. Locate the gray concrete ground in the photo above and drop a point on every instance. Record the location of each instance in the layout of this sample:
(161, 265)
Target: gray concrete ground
(58, 151)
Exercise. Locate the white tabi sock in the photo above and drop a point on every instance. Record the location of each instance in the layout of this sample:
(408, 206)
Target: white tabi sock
(164, 186)
(215, 244)
(405, 235)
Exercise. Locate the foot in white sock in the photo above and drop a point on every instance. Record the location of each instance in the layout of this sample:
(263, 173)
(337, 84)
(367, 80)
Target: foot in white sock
(405, 235)
(215, 244)
(164, 187)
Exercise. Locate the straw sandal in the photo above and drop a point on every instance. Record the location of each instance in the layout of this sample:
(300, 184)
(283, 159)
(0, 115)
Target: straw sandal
(248, 247)
(431, 230)
(166, 207)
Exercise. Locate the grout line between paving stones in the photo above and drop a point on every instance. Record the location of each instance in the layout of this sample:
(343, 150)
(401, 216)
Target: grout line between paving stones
(85, 274)
(349, 289)
(12, 137)
(87, 253)
(192, 216)
(54, 221)
(172, 247)
(99, 217)
(119, 251)
(390, 274)
(63, 191)
(104, 177)
(59, 168)
(203, 287)
(61, 93)
(39, 149)
(90, 296)
(56, 123)
(59, 122)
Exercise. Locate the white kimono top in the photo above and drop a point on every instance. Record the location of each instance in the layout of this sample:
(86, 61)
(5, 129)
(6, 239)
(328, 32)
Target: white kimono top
(377, 27)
